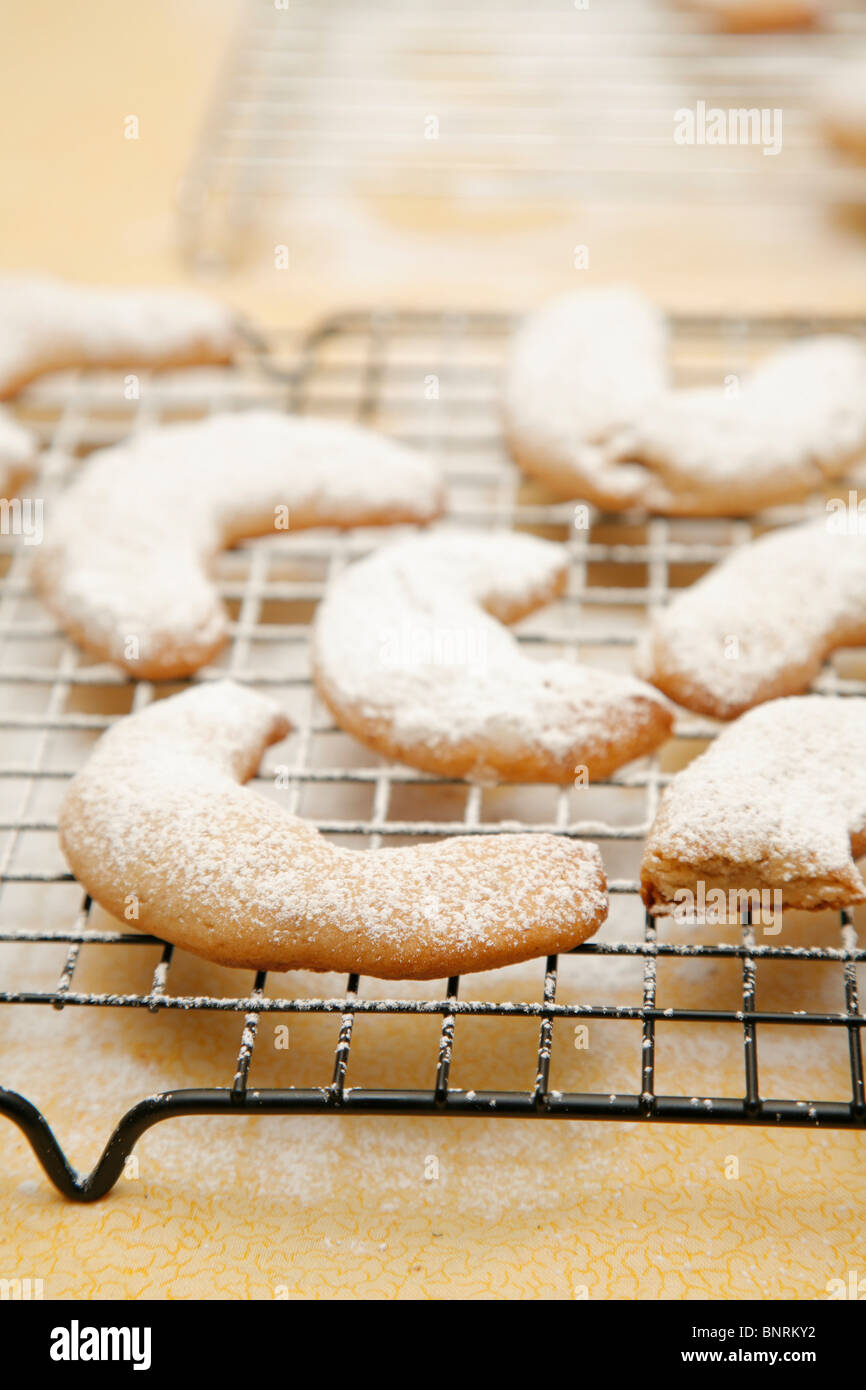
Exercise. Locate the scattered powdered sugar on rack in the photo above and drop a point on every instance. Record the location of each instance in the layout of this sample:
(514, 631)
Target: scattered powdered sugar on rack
(410, 652)
(127, 546)
(777, 801)
(157, 813)
(760, 624)
(47, 324)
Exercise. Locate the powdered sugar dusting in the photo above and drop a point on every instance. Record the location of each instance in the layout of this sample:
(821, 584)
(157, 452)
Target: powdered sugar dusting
(800, 417)
(17, 451)
(761, 622)
(403, 646)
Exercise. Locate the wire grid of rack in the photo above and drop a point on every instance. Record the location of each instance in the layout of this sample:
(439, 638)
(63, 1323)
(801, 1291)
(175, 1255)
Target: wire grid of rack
(502, 100)
(430, 379)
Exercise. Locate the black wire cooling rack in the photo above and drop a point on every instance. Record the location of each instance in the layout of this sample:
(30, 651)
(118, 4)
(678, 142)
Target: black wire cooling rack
(432, 380)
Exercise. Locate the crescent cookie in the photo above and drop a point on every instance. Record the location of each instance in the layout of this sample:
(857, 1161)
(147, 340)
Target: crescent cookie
(798, 419)
(761, 623)
(579, 370)
(588, 411)
(410, 654)
(157, 818)
(777, 802)
(46, 325)
(124, 564)
(18, 449)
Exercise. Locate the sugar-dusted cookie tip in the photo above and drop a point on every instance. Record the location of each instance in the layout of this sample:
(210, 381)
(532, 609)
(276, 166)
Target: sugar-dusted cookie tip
(156, 817)
(411, 655)
(125, 562)
(761, 623)
(777, 803)
(47, 324)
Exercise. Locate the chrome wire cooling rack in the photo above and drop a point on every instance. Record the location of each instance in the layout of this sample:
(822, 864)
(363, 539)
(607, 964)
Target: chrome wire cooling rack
(430, 379)
(501, 100)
